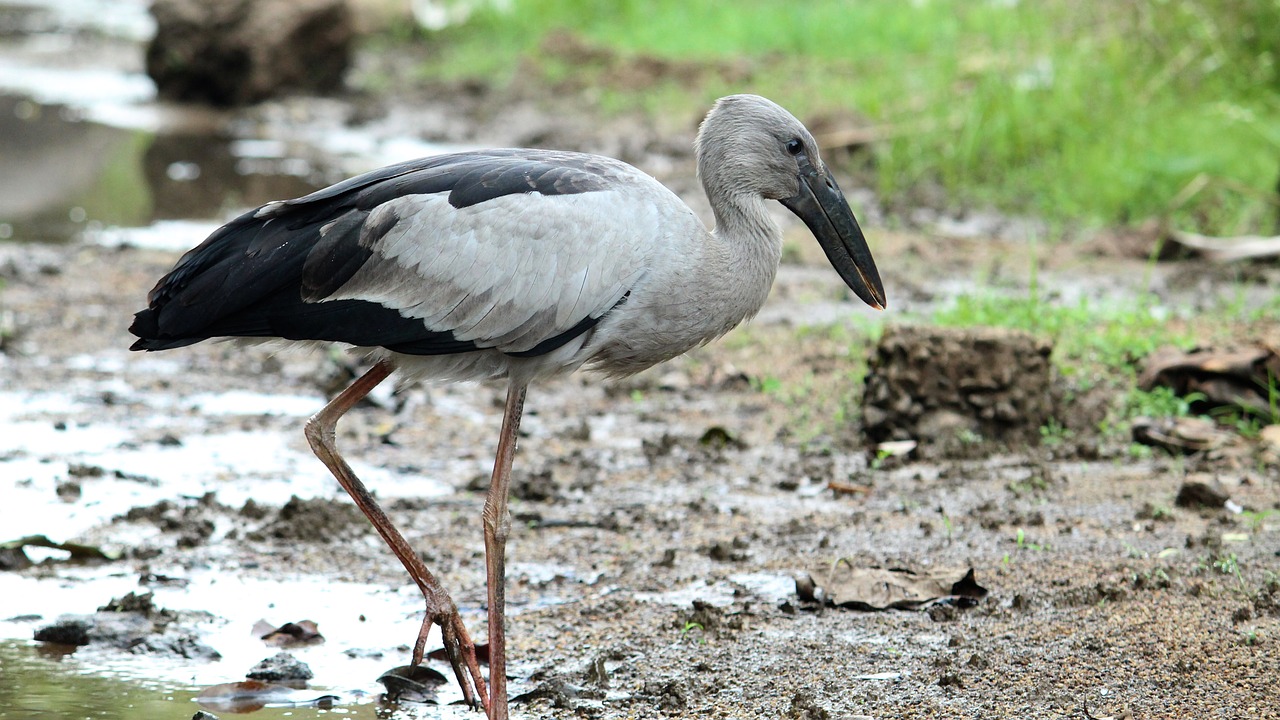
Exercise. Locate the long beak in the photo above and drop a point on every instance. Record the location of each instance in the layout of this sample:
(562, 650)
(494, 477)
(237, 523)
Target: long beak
(822, 207)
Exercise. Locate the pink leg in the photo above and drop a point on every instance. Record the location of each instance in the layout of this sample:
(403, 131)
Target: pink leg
(440, 608)
(497, 525)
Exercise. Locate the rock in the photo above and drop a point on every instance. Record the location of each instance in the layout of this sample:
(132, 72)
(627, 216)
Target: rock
(177, 645)
(412, 683)
(281, 667)
(131, 623)
(66, 631)
(1199, 493)
(1269, 436)
(955, 389)
(235, 52)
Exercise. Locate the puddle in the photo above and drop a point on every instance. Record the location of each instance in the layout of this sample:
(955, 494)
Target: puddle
(43, 681)
(62, 175)
(43, 436)
(86, 150)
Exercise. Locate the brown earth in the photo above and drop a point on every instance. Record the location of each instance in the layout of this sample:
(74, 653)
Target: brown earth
(1096, 602)
(1106, 599)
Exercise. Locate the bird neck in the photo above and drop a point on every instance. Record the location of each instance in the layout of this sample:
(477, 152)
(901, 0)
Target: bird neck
(743, 226)
(749, 244)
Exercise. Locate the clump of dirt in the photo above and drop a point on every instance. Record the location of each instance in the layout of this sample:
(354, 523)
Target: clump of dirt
(319, 520)
(132, 623)
(959, 390)
(192, 523)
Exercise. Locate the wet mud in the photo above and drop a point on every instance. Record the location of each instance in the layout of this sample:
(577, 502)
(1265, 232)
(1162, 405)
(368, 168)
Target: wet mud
(658, 524)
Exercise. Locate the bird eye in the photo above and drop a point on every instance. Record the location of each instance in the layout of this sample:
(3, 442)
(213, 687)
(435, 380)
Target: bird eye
(794, 146)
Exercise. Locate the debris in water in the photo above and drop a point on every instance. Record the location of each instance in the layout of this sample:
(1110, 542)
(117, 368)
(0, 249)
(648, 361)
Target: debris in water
(289, 635)
(12, 554)
(249, 695)
(482, 654)
(412, 683)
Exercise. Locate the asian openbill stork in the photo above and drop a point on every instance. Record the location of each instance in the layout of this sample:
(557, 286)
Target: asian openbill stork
(512, 265)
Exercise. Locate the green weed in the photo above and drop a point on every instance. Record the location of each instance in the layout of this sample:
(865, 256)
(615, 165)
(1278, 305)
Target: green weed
(1057, 108)
(1159, 401)
(1020, 539)
(1084, 334)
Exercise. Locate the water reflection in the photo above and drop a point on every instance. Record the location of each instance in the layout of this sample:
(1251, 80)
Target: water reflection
(60, 173)
(195, 176)
(51, 164)
(41, 681)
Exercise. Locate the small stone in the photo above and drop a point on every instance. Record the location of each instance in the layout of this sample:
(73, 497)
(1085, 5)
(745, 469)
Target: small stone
(1195, 493)
(281, 667)
(66, 631)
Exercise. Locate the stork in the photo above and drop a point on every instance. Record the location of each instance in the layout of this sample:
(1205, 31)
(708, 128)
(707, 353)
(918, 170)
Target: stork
(512, 265)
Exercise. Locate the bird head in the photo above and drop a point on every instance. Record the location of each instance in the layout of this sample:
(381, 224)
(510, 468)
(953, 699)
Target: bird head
(750, 145)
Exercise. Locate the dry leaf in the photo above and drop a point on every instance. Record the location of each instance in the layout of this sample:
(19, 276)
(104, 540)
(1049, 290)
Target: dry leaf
(875, 588)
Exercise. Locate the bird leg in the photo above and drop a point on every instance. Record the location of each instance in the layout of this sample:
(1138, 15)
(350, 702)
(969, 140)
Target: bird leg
(497, 525)
(441, 610)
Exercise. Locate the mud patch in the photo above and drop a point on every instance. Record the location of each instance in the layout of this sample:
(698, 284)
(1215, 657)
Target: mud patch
(319, 520)
(959, 391)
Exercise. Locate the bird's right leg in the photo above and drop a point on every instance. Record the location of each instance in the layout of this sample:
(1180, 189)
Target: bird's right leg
(440, 607)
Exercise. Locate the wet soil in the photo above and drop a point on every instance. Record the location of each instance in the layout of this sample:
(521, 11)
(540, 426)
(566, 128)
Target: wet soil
(657, 523)
(624, 519)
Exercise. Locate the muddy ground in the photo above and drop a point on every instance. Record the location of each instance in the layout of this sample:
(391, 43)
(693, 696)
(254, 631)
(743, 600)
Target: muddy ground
(1105, 598)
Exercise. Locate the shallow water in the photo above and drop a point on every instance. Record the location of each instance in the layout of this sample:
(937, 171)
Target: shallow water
(54, 682)
(42, 682)
(86, 150)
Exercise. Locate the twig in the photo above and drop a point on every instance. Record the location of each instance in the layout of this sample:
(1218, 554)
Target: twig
(844, 488)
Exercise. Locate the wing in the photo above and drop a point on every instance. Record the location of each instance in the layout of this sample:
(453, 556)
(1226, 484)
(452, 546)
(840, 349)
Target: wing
(516, 250)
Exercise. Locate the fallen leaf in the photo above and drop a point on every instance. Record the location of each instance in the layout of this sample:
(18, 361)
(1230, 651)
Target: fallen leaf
(844, 488)
(289, 635)
(875, 588)
(1228, 249)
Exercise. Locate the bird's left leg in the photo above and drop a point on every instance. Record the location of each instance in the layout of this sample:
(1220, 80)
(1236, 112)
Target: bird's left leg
(321, 431)
(497, 525)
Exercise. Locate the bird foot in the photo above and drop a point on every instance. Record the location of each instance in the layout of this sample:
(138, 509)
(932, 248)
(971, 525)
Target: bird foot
(458, 648)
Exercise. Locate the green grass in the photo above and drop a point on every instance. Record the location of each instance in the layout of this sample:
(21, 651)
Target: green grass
(1102, 112)
(1086, 336)
(1158, 402)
